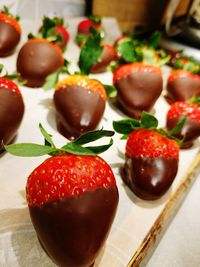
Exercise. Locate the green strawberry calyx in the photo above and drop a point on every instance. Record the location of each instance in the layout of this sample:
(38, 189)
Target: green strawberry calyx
(147, 121)
(75, 147)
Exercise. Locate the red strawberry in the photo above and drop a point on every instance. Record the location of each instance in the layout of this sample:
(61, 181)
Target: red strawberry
(191, 128)
(138, 87)
(106, 57)
(72, 201)
(80, 104)
(151, 159)
(11, 110)
(10, 33)
(37, 59)
(64, 33)
(85, 25)
(182, 85)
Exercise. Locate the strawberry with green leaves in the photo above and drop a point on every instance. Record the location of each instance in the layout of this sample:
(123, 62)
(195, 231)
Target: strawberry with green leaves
(152, 158)
(11, 110)
(72, 198)
(191, 128)
(10, 32)
(95, 55)
(80, 104)
(84, 29)
(182, 85)
(138, 87)
(54, 30)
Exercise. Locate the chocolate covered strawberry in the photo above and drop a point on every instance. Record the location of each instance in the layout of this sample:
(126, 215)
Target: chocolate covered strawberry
(54, 30)
(182, 85)
(80, 105)
(191, 128)
(151, 160)
(37, 59)
(72, 198)
(84, 29)
(10, 32)
(11, 110)
(138, 87)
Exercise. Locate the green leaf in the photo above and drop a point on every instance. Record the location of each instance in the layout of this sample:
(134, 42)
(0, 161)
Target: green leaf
(195, 100)
(155, 39)
(126, 50)
(111, 91)
(77, 149)
(29, 149)
(95, 18)
(47, 136)
(100, 149)
(80, 38)
(51, 80)
(1, 67)
(178, 127)
(126, 126)
(12, 76)
(90, 53)
(31, 36)
(148, 121)
(93, 136)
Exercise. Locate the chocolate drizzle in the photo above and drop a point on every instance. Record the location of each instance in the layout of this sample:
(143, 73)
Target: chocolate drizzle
(9, 39)
(78, 110)
(138, 92)
(149, 178)
(182, 89)
(11, 114)
(190, 130)
(36, 60)
(73, 230)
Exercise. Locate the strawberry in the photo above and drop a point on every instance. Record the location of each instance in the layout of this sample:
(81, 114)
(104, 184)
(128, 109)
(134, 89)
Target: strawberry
(72, 199)
(37, 59)
(54, 30)
(10, 33)
(106, 57)
(191, 128)
(11, 110)
(151, 158)
(80, 104)
(138, 87)
(182, 85)
(84, 29)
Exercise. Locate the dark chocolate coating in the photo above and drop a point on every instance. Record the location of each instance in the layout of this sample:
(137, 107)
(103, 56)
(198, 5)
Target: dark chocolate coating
(9, 39)
(11, 114)
(190, 130)
(182, 89)
(149, 178)
(36, 60)
(78, 110)
(74, 229)
(105, 60)
(138, 92)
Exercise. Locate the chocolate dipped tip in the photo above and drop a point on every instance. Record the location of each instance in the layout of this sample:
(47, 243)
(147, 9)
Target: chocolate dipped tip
(78, 110)
(9, 39)
(79, 238)
(37, 59)
(149, 178)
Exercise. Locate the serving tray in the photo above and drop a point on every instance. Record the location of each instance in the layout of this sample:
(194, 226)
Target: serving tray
(138, 225)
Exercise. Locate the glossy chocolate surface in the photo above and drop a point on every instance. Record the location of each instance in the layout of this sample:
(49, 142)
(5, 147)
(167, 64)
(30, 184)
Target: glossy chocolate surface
(182, 89)
(190, 130)
(74, 229)
(78, 110)
(9, 39)
(138, 92)
(149, 178)
(36, 60)
(11, 114)
(105, 60)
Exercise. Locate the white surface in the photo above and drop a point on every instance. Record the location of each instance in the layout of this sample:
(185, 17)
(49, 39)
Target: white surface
(18, 243)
